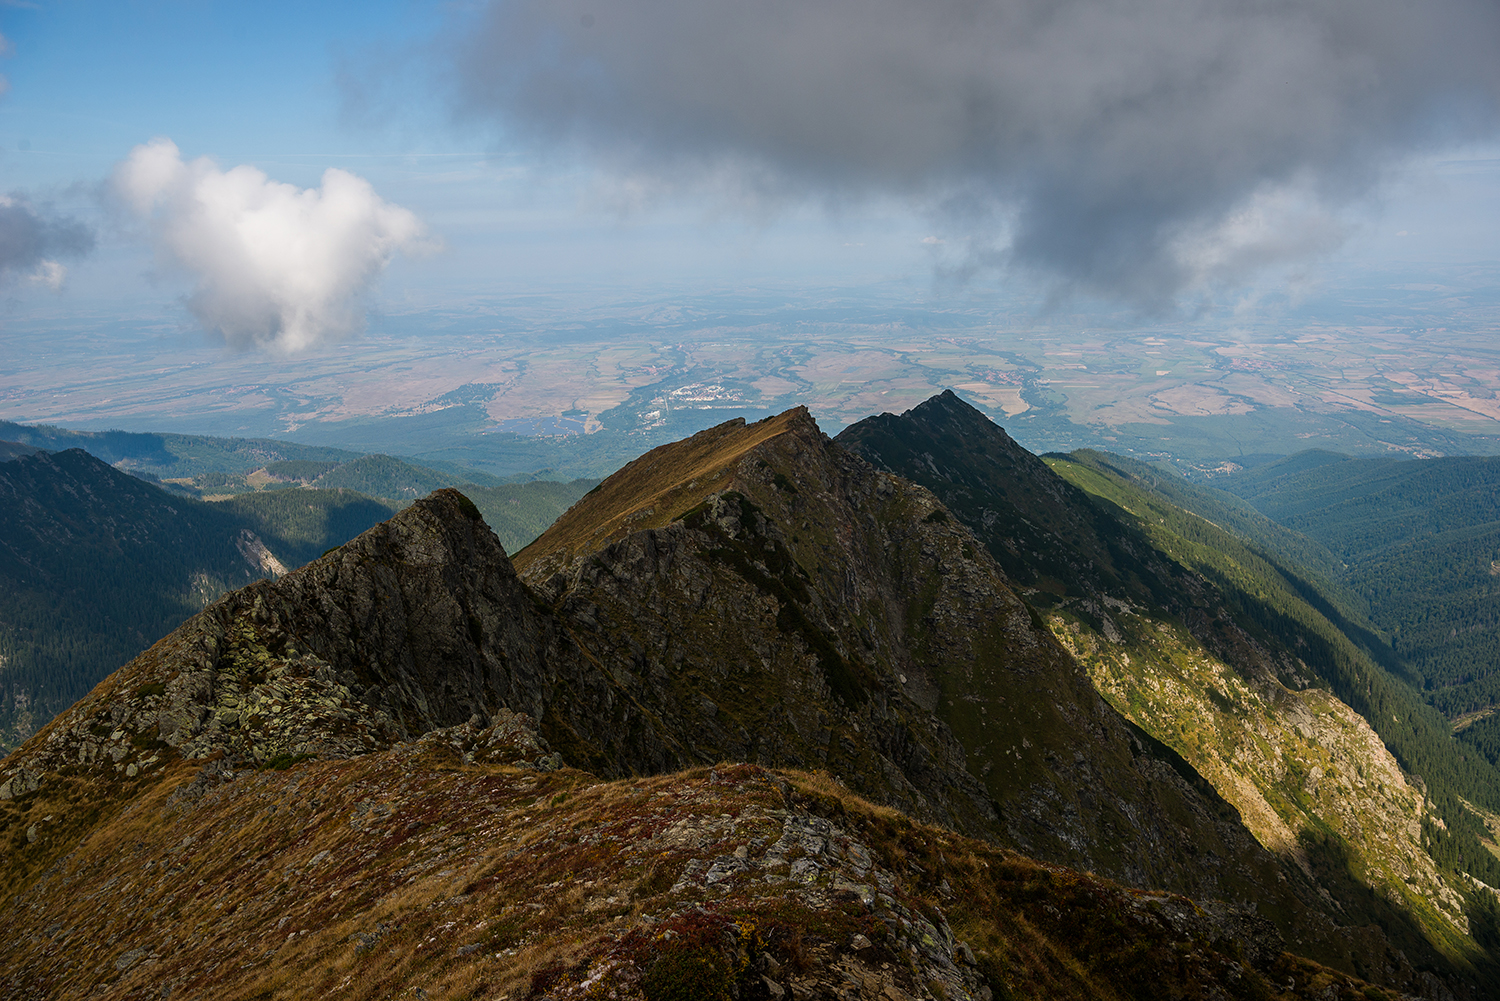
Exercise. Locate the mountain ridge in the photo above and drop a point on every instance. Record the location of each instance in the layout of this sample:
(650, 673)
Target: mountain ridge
(758, 593)
(1176, 653)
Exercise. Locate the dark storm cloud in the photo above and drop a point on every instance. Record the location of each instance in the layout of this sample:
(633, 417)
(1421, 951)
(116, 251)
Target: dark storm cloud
(31, 240)
(1126, 146)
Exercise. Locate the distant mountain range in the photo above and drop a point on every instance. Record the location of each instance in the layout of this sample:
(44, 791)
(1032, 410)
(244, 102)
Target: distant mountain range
(912, 713)
(95, 564)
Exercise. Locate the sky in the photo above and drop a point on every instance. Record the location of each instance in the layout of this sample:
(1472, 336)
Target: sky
(276, 179)
(295, 89)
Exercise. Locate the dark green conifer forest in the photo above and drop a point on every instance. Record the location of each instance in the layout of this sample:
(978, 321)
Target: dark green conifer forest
(97, 564)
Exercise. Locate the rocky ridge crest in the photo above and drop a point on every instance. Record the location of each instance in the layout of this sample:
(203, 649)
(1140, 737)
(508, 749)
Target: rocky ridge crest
(1309, 776)
(755, 593)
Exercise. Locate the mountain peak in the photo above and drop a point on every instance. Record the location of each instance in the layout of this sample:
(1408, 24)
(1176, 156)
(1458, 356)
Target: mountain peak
(756, 593)
(441, 529)
(660, 486)
(407, 628)
(987, 479)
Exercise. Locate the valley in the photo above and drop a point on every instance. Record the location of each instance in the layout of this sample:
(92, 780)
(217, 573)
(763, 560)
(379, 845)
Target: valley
(913, 697)
(96, 564)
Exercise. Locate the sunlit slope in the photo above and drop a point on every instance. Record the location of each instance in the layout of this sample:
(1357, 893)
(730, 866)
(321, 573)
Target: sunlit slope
(653, 490)
(1171, 613)
(1269, 600)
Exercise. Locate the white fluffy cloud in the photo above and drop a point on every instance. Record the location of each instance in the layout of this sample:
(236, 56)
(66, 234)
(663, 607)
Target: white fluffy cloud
(276, 266)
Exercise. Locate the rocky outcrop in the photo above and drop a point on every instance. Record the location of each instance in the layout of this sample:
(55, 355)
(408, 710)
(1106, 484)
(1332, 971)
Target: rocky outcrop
(415, 872)
(419, 623)
(756, 593)
(780, 600)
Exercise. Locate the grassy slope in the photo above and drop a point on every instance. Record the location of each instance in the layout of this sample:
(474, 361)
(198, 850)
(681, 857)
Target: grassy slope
(414, 869)
(652, 491)
(1272, 601)
(1303, 562)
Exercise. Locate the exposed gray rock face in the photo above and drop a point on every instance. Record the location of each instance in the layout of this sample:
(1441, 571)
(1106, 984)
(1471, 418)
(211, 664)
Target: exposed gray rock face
(792, 605)
(420, 623)
(755, 593)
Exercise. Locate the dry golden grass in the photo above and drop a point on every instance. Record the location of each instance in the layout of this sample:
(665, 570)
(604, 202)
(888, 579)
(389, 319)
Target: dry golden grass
(479, 878)
(821, 784)
(655, 489)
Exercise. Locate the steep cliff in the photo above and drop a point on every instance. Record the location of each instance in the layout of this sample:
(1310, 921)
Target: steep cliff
(1183, 660)
(772, 597)
(755, 593)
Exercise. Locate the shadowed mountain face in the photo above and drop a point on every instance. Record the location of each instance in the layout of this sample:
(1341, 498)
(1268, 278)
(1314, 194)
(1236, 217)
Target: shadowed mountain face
(772, 597)
(756, 593)
(95, 565)
(1210, 660)
(1059, 544)
(1041, 529)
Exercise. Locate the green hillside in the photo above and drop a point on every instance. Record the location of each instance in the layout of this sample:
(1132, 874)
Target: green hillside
(300, 525)
(385, 476)
(1318, 573)
(1274, 602)
(96, 565)
(1203, 629)
(373, 475)
(1419, 542)
(298, 470)
(519, 512)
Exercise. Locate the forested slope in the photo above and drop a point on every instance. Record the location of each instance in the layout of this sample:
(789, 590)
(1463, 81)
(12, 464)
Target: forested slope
(1272, 600)
(96, 565)
(1419, 541)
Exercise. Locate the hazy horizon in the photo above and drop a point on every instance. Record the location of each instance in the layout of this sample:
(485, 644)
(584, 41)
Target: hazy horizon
(221, 224)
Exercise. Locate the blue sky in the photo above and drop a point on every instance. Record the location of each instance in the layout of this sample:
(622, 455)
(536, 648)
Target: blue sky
(261, 84)
(90, 79)
(650, 189)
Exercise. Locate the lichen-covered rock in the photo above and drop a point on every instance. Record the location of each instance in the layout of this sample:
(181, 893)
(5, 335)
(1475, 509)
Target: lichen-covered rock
(411, 873)
(755, 593)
